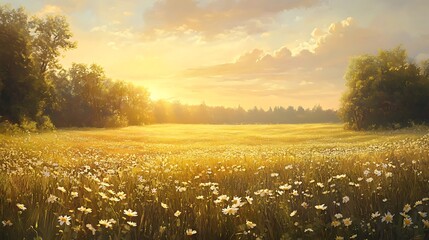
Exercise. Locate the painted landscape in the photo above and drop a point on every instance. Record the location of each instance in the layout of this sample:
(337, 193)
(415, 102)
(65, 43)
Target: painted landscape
(214, 119)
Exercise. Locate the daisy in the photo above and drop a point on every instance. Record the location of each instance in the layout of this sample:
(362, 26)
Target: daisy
(230, 210)
(250, 224)
(132, 224)
(21, 206)
(177, 213)
(388, 218)
(408, 222)
(190, 232)
(64, 219)
(130, 213)
(347, 222)
(321, 207)
(105, 223)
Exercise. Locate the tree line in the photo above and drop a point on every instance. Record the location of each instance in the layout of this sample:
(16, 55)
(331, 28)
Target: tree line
(168, 112)
(38, 92)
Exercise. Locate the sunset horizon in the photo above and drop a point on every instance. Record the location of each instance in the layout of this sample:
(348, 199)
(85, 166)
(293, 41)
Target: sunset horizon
(236, 53)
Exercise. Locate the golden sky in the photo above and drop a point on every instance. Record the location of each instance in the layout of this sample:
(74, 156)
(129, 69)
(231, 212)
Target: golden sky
(237, 52)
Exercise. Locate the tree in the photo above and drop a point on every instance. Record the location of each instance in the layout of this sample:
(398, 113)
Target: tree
(28, 49)
(20, 89)
(51, 36)
(384, 91)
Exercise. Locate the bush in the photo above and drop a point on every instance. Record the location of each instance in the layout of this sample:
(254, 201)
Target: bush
(28, 125)
(44, 123)
(7, 127)
(116, 121)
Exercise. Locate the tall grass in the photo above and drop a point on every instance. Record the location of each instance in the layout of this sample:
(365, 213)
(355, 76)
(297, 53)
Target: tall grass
(215, 182)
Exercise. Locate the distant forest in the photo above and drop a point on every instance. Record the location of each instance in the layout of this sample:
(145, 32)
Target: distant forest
(36, 92)
(166, 112)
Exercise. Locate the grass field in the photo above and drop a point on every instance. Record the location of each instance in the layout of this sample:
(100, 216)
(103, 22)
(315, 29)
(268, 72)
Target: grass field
(311, 181)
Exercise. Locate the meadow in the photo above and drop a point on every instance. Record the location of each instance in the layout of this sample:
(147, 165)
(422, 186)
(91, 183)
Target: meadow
(304, 181)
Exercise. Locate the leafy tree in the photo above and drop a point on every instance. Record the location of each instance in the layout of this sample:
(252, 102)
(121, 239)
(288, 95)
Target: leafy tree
(384, 91)
(20, 89)
(51, 36)
(28, 48)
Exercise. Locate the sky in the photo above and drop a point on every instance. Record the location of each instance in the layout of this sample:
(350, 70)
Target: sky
(237, 52)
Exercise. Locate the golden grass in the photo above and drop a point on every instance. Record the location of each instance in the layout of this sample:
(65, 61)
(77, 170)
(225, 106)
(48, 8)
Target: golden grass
(198, 169)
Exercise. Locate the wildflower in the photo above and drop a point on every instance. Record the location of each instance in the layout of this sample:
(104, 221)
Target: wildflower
(21, 206)
(388, 218)
(285, 187)
(339, 238)
(103, 195)
(375, 215)
(423, 214)
(177, 213)
(377, 172)
(121, 195)
(132, 224)
(319, 184)
(264, 192)
(295, 193)
(425, 223)
(230, 210)
(293, 213)
(335, 223)
(6, 223)
(236, 202)
(62, 189)
(87, 189)
(338, 215)
(353, 236)
(274, 174)
(190, 232)
(130, 213)
(407, 208)
(347, 222)
(163, 205)
(105, 223)
(304, 205)
(408, 222)
(64, 220)
(201, 197)
(52, 198)
(91, 228)
(249, 199)
(321, 207)
(308, 230)
(346, 199)
(369, 179)
(223, 198)
(250, 224)
(74, 194)
(114, 199)
(85, 210)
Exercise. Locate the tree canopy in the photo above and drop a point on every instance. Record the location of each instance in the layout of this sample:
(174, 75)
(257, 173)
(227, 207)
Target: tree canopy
(385, 90)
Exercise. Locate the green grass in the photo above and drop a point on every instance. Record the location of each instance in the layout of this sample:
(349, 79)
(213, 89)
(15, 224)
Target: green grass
(281, 167)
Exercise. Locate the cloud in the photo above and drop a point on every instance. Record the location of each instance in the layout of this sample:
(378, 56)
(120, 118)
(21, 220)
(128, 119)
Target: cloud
(211, 18)
(317, 68)
(50, 10)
